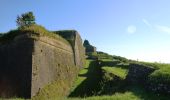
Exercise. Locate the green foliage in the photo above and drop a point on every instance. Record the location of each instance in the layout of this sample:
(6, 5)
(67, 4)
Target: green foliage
(25, 19)
(87, 83)
(6, 37)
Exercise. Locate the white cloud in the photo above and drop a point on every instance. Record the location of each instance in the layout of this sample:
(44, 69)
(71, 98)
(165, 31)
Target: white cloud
(160, 28)
(146, 22)
(164, 29)
(131, 29)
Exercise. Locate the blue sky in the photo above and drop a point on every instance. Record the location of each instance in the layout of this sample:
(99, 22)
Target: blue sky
(136, 29)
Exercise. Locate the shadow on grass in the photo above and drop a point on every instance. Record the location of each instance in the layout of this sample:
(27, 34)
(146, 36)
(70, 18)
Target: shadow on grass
(91, 85)
(95, 85)
(121, 86)
(143, 94)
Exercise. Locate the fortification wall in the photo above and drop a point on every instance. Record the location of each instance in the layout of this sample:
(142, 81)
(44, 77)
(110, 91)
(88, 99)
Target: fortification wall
(79, 51)
(31, 63)
(52, 61)
(73, 37)
(15, 67)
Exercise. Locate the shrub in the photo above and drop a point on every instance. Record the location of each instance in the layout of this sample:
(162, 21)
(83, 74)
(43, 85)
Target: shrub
(25, 19)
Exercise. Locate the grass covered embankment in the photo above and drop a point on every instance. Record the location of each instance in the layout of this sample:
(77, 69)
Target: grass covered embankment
(113, 85)
(88, 81)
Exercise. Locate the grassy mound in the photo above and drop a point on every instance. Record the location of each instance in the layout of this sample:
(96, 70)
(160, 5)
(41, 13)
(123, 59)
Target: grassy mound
(114, 88)
(33, 30)
(159, 80)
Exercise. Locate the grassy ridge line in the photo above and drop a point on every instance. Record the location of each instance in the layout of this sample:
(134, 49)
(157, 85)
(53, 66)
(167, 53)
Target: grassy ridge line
(33, 30)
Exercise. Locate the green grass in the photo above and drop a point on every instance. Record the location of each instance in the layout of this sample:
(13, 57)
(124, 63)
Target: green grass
(119, 89)
(86, 86)
(161, 76)
(33, 30)
(153, 65)
(116, 96)
(118, 71)
(87, 83)
(59, 87)
(159, 80)
(80, 79)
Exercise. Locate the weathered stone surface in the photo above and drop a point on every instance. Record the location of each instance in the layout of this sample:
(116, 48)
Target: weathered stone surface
(160, 88)
(90, 48)
(50, 58)
(15, 67)
(79, 51)
(73, 37)
(28, 64)
(138, 73)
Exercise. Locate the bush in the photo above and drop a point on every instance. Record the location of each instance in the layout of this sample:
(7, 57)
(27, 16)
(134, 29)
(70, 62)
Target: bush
(25, 19)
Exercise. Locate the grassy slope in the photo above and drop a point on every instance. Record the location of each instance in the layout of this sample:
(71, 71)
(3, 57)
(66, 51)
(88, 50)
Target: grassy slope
(87, 83)
(124, 92)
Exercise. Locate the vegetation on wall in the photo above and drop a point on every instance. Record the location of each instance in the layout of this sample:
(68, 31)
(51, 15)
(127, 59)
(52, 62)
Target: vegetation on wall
(33, 30)
(25, 19)
(69, 35)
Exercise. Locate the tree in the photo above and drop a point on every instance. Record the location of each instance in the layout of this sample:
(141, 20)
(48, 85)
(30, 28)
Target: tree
(86, 43)
(25, 19)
